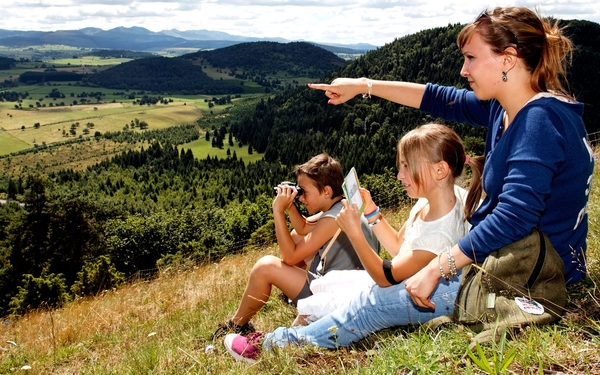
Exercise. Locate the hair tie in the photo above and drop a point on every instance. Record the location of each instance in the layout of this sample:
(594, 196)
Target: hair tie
(467, 159)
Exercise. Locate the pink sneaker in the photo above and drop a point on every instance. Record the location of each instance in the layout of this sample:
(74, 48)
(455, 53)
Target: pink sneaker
(245, 348)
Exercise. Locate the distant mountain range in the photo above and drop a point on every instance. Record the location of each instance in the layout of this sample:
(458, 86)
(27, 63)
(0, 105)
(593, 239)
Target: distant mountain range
(141, 39)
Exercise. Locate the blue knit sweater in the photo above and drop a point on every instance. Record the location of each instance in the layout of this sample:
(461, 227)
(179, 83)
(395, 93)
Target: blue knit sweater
(538, 173)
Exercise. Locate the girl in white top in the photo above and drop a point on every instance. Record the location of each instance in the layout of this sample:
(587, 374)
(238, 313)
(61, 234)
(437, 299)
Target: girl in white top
(337, 287)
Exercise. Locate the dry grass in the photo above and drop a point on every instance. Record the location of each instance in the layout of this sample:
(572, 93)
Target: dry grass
(76, 156)
(176, 311)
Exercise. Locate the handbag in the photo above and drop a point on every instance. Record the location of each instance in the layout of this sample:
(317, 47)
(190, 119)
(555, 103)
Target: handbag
(520, 284)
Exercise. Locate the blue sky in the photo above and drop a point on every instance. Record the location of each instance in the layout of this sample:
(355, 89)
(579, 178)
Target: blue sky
(324, 21)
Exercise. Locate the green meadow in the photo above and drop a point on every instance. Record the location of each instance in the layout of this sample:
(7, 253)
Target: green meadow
(9, 144)
(40, 120)
(201, 148)
(90, 61)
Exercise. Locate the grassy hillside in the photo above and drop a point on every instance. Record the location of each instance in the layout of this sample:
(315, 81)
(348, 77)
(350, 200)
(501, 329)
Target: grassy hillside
(164, 325)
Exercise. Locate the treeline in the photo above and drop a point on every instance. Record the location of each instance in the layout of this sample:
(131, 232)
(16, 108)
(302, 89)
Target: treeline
(64, 243)
(161, 74)
(244, 61)
(12, 96)
(248, 60)
(7, 63)
(119, 53)
(58, 76)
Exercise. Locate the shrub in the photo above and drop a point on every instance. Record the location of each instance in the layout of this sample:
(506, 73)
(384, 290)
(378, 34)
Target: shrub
(46, 290)
(97, 276)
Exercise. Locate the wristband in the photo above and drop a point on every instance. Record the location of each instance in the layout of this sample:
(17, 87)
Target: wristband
(387, 272)
(372, 214)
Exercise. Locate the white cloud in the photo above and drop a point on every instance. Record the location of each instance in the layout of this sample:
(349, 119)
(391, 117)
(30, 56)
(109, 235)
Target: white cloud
(335, 21)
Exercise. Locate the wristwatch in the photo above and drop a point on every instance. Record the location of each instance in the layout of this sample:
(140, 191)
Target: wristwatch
(372, 224)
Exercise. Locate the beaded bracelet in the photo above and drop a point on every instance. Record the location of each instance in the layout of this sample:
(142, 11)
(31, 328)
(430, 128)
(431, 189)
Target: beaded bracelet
(451, 264)
(446, 277)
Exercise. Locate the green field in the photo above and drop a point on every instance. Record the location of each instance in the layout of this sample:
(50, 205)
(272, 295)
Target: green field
(90, 61)
(9, 144)
(40, 91)
(113, 114)
(201, 148)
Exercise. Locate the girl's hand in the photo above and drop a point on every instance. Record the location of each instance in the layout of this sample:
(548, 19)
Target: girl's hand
(341, 89)
(285, 197)
(349, 218)
(421, 286)
(370, 206)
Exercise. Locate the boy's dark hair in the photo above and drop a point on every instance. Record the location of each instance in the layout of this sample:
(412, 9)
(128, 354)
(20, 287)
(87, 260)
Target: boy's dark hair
(324, 171)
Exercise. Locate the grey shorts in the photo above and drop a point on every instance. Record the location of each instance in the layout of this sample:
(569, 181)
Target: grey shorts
(305, 292)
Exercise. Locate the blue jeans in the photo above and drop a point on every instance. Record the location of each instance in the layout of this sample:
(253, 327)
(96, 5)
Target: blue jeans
(369, 312)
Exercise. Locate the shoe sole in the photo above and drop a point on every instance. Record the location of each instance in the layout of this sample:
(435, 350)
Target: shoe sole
(227, 341)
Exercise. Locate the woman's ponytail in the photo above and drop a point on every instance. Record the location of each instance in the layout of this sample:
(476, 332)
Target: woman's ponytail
(475, 186)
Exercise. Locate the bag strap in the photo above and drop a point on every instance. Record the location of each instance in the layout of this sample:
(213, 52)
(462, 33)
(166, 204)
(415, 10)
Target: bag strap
(335, 236)
(324, 255)
(537, 269)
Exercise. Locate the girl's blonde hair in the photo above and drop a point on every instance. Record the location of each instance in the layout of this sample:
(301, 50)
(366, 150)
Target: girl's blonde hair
(540, 43)
(429, 144)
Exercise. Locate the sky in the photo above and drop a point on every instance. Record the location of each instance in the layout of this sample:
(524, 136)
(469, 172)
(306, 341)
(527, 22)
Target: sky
(376, 22)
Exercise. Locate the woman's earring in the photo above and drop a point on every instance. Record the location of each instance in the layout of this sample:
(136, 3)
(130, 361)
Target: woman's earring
(504, 77)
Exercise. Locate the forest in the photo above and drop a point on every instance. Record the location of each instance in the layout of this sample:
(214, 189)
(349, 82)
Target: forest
(75, 233)
(56, 76)
(6, 63)
(164, 75)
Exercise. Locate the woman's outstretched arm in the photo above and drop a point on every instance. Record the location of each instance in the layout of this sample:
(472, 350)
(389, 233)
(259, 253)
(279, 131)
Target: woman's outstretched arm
(343, 89)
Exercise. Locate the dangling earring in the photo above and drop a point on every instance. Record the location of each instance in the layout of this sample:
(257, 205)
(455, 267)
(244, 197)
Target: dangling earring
(504, 77)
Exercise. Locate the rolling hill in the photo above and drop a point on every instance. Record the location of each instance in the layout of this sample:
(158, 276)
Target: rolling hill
(255, 61)
(296, 58)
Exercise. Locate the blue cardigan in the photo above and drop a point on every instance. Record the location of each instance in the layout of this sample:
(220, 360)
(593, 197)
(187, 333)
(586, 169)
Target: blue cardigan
(538, 173)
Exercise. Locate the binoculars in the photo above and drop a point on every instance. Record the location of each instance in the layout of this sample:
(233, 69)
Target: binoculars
(298, 188)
